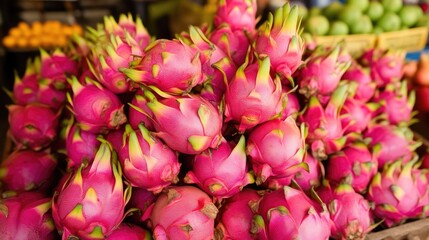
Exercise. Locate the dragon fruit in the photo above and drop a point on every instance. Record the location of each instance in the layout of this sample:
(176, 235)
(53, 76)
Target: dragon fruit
(311, 178)
(91, 203)
(235, 220)
(57, 65)
(253, 97)
(279, 39)
(325, 131)
(276, 149)
(138, 112)
(33, 126)
(289, 214)
(27, 170)
(198, 121)
(169, 65)
(322, 73)
(140, 199)
(26, 216)
(96, 109)
(355, 164)
(350, 212)
(361, 76)
(221, 172)
(235, 43)
(292, 107)
(182, 212)
(385, 65)
(421, 177)
(396, 103)
(395, 143)
(146, 161)
(356, 115)
(129, 232)
(239, 14)
(81, 146)
(395, 194)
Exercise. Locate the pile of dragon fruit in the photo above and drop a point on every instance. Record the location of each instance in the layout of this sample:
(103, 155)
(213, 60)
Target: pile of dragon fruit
(227, 131)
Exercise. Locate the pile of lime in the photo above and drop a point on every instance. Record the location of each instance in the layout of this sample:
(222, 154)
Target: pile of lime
(362, 17)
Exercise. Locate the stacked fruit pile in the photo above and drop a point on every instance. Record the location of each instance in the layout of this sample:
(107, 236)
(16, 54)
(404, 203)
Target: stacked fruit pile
(364, 17)
(224, 132)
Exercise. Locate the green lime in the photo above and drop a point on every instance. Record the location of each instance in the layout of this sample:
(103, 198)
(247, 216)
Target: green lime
(314, 11)
(362, 5)
(349, 15)
(389, 22)
(392, 5)
(423, 21)
(317, 25)
(410, 14)
(363, 26)
(332, 10)
(339, 28)
(375, 11)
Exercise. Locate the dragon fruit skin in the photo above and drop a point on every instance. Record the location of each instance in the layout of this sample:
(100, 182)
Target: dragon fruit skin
(27, 216)
(253, 97)
(138, 111)
(32, 126)
(240, 15)
(199, 122)
(235, 43)
(322, 73)
(396, 103)
(276, 148)
(421, 178)
(289, 214)
(146, 161)
(91, 203)
(385, 65)
(395, 143)
(355, 164)
(81, 146)
(281, 28)
(395, 193)
(169, 65)
(95, 108)
(129, 232)
(292, 107)
(311, 178)
(221, 172)
(236, 216)
(325, 131)
(350, 212)
(365, 86)
(182, 212)
(356, 115)
(27, 170)
(140, 199)
(56, 65)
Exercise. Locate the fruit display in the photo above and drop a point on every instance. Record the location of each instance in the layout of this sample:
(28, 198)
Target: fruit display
(363, 17)
(47, 34)
(226, 131)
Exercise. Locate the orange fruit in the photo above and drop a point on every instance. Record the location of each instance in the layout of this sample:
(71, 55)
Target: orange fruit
(34, 42)
(22, 42)
(37, 28)
(15, 32)
(9, 41)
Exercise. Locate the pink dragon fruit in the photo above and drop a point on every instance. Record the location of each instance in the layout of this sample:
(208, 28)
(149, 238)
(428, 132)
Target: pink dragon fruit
(276, 149)
(253, 97)
(146, 161)
(26, 216)
(212, 59)
(129, 232)
(421, 177)
(355, 164)
(140, 199)
(57, 65)
(425, 161)
(311, 178)
(279, 39)
(396, 103)
(235, 43)
(169, 65)
(221, 172)
(385, 65)
(325, 132)
(322, 73)
(235, 220)
(27, 170)
(239, 14)
(81, 146)
(33, 126)
(356, 115)
(182, 212)
(90, 204)
(395, 143)
(197, 119)
(361, 76)
(292, 104)
(138, 112)
(395, 194)
(96, 109)
(289, 214)
(350, 212)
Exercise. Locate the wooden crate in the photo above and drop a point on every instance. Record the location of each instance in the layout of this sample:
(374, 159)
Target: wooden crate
(355, 44)
(417, 230)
